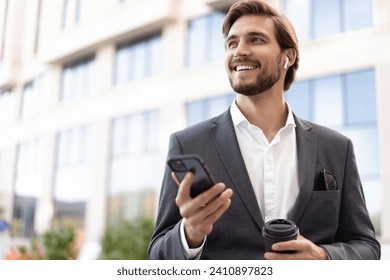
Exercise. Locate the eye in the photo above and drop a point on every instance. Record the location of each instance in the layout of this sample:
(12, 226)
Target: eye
(257, 40)
(231, 44)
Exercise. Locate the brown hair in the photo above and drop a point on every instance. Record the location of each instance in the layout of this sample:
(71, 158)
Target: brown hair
(284, 31)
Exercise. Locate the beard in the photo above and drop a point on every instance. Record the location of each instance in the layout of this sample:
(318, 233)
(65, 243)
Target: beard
(265, 80)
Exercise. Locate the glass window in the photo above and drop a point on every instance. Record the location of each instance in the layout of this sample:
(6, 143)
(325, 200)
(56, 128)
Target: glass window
(326, 17)
(200, 110)
(73, 12)
(218, 105)
(80, 9)
(120, 137)
(135, 170)
(216, 50)
(205, 41)
(360, 97)
(358, 14)
(78, 80)
(28, 186)
(197, 41)
(139, 59)
(298, 12)
(67, 14)
(35, 97)
(328, 101)
(320, 18)
(139, 66)
(28, 179)
(298, 97)
(152, 131)
(123, 68)
(7, 108)
(73, 175)
(195, 112)
(136, 126)
(155, 60)
(23, 216)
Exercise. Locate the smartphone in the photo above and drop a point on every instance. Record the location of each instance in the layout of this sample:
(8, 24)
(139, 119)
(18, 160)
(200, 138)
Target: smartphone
(181, 164)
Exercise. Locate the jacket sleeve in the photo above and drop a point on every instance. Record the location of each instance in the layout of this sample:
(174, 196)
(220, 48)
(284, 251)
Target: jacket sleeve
(165, 242)
(355, 238)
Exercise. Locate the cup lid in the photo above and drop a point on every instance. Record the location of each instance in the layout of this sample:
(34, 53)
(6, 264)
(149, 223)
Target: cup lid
(280, 227)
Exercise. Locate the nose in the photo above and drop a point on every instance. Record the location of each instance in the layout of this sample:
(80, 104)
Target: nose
(241, 50)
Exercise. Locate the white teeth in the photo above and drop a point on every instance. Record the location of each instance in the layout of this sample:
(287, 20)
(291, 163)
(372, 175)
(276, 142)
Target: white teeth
(245, 67)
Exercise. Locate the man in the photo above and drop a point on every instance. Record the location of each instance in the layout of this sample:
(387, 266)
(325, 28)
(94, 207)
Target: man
(269, 163)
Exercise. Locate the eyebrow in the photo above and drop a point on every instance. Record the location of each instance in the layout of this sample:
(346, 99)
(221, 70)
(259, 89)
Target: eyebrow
(249, 34)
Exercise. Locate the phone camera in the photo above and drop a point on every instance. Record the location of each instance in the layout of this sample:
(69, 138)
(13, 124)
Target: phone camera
(178, 165)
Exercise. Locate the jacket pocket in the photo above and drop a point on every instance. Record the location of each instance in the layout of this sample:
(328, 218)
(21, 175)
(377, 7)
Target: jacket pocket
(325, 195)
(320, 219)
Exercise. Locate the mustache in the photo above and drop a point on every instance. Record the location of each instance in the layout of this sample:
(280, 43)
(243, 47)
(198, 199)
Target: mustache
(240, 61)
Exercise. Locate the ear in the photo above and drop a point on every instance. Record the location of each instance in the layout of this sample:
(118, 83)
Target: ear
(291, 54)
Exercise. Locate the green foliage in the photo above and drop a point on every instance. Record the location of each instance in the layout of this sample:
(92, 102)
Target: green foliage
(128, 241)
(32, 251)
(58, 244)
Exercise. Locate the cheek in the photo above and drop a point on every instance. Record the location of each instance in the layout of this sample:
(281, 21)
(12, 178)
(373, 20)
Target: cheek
(228, 59)
(227, 66)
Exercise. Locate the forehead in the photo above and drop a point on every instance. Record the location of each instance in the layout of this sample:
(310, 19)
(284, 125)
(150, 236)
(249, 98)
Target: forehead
(253, 24)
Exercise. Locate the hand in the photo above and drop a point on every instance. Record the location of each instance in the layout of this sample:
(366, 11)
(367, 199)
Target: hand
(304, 250)
(201, 212)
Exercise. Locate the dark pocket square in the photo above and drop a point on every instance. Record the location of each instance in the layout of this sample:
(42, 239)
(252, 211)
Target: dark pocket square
(328, 181)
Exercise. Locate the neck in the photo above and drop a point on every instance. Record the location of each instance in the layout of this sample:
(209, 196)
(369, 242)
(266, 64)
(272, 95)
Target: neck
(266, 110)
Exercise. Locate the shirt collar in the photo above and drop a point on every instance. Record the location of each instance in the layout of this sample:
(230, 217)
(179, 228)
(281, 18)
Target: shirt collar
(239, 118)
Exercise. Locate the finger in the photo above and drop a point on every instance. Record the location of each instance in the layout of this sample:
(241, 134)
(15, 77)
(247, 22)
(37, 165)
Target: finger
(280, 256)
(291, 245)
(210, 213)
(218, 202)
(193, 207)
(214, 216)
(174, 177)
(301, 243)
(205, 226)
(207, 196)
(183, 194)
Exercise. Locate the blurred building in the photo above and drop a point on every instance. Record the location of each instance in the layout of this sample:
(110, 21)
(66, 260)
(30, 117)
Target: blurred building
(91, 90)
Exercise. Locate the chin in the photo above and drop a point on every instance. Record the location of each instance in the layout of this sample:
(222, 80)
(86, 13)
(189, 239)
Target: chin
(245, 90)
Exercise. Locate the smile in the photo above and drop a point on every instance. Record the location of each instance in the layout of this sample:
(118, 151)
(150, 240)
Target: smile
(244, 67)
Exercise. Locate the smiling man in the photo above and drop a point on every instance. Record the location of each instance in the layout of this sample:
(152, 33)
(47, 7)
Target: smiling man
(269, 163)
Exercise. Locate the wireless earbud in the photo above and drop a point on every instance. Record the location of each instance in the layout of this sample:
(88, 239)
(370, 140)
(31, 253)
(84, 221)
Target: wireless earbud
(286, 63)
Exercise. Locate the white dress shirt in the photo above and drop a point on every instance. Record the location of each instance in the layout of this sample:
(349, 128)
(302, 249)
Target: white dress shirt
(272, 168)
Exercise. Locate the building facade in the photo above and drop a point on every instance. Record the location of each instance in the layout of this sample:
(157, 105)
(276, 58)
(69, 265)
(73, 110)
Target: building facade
(91, 90)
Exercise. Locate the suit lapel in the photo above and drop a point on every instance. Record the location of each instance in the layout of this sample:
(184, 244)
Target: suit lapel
(226, 143)
(307, 155)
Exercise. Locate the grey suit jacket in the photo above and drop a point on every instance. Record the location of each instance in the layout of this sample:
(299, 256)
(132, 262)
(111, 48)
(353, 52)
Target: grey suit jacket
(337, 220)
